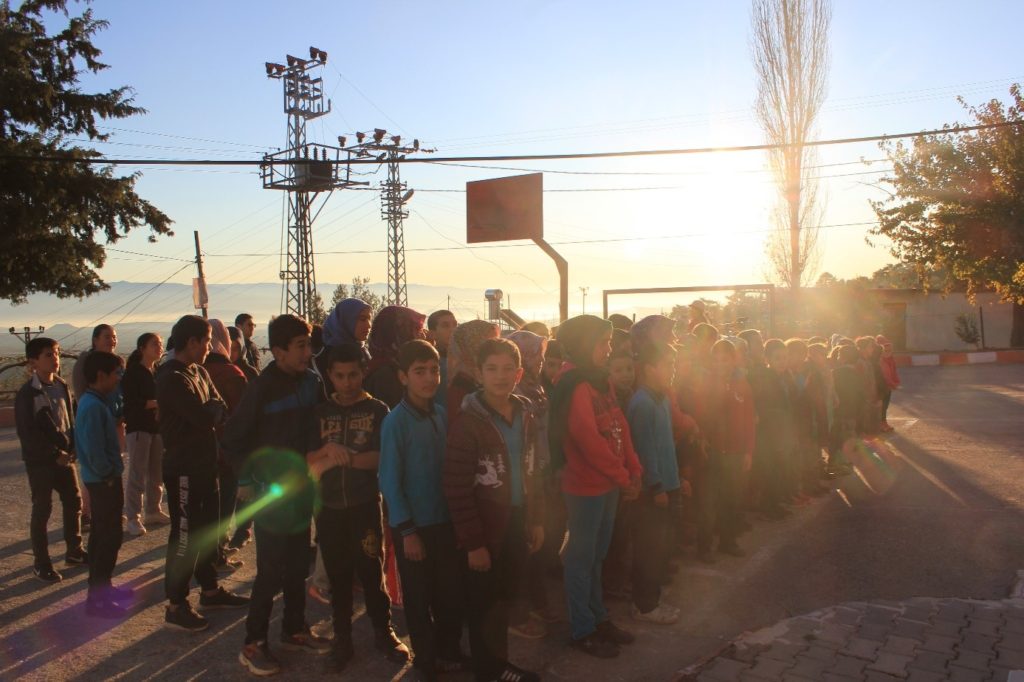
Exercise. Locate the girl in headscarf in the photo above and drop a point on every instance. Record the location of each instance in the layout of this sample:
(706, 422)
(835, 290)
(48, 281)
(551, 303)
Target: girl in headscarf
(145, 449)
(589, 435)
(393, 326)
(466, 341)
(229, 380)
(349, 322)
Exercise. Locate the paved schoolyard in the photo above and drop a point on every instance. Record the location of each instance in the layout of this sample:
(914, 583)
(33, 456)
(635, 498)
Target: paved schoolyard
(936, 515)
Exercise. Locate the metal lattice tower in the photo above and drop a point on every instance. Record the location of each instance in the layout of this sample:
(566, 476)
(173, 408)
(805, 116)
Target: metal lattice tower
(304, 170)
(393, 211)
(393, 197)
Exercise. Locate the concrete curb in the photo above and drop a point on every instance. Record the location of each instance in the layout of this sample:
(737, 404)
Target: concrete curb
(1001, 357)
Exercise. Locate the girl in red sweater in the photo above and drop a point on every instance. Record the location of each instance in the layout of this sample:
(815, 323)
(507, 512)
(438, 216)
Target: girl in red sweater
(589, 435)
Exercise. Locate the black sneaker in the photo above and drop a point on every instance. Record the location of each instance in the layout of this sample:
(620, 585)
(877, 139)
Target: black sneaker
(596, 646)
(119, 594)
(342, 654)
(306, 641)
(104, 609)
(47, 574)
(222, 600)
(186, 618)
(513, 674)
(76, 557)
(256, 657)
(387, 642)
(611, 632)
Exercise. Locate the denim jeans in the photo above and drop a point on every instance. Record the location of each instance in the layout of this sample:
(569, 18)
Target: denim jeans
(590, 523)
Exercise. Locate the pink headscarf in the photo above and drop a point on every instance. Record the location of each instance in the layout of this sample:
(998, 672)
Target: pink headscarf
(220, 340)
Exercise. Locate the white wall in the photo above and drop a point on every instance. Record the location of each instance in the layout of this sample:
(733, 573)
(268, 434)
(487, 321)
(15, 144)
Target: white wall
(931, 320)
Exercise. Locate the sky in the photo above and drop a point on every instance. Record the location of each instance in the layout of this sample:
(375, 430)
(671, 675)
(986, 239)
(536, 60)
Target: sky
(473, 78)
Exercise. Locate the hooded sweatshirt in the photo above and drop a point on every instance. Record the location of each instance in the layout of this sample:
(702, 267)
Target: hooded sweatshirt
(191, 409)
(588, 432)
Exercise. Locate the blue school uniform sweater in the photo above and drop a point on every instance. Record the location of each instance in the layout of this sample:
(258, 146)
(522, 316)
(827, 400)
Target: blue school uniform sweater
(650, 425)
(96, 443)
(412, 446)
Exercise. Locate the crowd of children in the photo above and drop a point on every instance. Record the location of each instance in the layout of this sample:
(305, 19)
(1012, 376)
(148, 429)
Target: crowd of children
(478, 466)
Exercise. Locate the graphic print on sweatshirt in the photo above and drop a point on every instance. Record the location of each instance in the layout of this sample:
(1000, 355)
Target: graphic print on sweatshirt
(488, 471)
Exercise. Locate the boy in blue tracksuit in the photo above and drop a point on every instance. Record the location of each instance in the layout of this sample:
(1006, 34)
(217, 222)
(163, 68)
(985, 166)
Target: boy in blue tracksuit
(99, 456)
(650, 424)
(429, 564)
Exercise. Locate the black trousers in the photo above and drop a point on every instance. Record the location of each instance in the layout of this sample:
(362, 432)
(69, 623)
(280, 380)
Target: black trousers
(490, 594)
(227, 495)
(719, 500)
(42, 481)
(106, 500)
(651, 531)
(282, 565)
(886, 399)
(194, 505)
(433, 597)
(351, 543)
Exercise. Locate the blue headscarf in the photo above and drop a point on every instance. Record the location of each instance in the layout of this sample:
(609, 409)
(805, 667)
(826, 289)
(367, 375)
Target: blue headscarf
(340, 327)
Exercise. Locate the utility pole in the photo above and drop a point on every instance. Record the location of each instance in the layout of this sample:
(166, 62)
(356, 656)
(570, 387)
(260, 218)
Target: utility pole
(394, 195)
(27, 333)
(199, 295)
(584, 291)
(304, 170)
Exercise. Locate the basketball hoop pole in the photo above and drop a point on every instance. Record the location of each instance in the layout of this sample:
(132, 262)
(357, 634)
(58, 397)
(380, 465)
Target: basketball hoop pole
(563, 278)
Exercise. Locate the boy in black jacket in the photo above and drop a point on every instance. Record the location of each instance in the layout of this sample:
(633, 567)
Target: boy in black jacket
(190, 409)
(349, 526)
(268, 440)
(45, 423)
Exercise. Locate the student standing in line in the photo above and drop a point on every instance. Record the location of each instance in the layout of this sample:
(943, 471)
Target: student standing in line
(462, 378)
(441, 325)
(45, 421)
(350, 525)
(190, 412)
(431, 566)
(99, 453)
(494, 492)
(589, 435)
(142, 439)
(250, 353)
(650, 424)
(393, 326)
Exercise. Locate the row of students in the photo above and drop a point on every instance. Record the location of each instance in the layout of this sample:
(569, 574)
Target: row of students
(474, 505)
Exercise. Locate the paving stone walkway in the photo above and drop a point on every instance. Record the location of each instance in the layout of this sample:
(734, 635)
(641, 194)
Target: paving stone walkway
(919, 640)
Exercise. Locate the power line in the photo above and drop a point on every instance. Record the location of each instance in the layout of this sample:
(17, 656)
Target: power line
(949, 130)
(571, 242)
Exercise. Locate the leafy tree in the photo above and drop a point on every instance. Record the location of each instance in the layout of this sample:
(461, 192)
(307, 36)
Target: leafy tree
(56, 213)
(360, 289)
(957, 203)
(316, 314)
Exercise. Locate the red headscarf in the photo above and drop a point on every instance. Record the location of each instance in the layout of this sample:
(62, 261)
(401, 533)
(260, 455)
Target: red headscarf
(393, 326)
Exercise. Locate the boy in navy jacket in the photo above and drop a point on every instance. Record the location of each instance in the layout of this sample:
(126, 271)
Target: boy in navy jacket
(45, 420)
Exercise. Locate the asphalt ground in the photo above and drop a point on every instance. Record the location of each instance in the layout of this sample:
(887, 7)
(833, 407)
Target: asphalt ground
(935, 510)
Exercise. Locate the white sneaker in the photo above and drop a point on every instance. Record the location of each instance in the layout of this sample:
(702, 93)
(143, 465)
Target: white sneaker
(157, 518)
(135, 528)
(662, 614)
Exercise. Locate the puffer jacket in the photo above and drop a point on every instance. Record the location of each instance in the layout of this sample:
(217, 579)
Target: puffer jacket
(477, 479)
